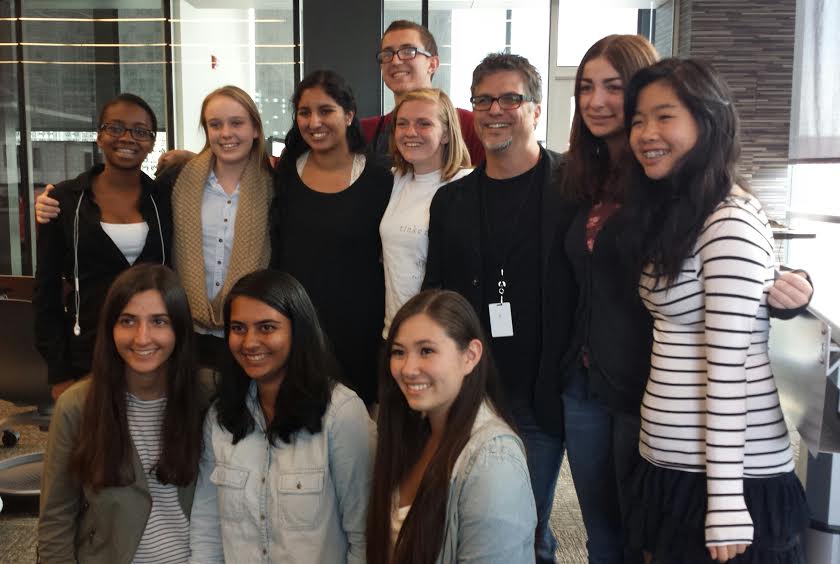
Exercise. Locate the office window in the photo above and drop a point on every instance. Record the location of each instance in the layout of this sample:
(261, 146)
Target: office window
(75, 57)
(467, 31)
(250, 47)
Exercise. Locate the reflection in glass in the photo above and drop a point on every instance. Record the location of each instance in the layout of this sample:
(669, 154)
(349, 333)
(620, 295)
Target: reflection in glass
(252, 48)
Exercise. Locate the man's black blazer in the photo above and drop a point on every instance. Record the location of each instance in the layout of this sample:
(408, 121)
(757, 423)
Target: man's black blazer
(455, 263)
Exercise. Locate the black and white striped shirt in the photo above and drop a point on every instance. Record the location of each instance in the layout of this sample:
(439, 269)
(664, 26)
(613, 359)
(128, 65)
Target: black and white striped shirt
(166, 538)
(710, 403)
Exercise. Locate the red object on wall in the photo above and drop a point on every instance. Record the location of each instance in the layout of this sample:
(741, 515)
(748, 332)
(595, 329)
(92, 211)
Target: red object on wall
(213, 62)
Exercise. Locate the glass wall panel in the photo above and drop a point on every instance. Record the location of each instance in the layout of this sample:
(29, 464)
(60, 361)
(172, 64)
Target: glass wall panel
(215, 43)
(75, 55)
(466, 31)
(13, 216)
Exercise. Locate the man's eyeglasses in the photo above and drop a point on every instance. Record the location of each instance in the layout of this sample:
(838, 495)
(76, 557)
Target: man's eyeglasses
(403, 53)
(506, 101)
(137, 133)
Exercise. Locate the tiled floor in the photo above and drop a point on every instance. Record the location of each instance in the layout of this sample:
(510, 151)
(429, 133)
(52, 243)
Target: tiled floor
(17, 521)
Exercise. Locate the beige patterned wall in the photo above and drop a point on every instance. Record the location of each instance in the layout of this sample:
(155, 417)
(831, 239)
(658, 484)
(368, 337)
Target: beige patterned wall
(751, 44)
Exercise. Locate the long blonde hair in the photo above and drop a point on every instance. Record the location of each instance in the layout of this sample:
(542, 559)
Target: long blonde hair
(455, 153)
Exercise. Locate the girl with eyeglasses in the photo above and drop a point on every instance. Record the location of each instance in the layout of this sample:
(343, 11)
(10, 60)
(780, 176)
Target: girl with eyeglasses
(116, 217)
(124, 446)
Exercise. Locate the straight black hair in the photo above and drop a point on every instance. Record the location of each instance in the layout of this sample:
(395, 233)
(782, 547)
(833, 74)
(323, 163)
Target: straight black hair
(311, 371)
(670, 213)
(339, 90)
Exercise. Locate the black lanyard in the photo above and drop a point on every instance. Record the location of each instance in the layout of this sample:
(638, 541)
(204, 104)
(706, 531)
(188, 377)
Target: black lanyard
(487, 231)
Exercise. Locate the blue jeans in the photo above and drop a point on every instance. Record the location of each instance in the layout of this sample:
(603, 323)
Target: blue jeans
(544, 453)
(603, 447)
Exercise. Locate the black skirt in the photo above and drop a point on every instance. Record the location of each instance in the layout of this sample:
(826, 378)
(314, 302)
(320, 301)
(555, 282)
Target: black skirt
(667, 515)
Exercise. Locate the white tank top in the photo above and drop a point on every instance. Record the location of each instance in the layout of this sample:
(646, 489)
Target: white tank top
(130, 238)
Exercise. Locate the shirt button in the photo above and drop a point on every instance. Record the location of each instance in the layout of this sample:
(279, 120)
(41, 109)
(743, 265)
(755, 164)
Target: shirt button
(263, 480)
(228, 202)
(298, 485)
(217, 283)
(262, 517)
(220, 239)
(475, 282)
(225, 220)
(218, 262)
(265, 551)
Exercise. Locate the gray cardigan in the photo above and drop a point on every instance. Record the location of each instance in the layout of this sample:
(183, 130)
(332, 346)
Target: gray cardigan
(77, 524)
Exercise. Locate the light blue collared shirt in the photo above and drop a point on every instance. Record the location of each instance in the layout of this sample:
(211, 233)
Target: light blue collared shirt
(218, 218)
(300, 502)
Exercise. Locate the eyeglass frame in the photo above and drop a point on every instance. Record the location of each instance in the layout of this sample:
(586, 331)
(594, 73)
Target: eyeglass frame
(522, 99)
(131, 130)
(396, 53)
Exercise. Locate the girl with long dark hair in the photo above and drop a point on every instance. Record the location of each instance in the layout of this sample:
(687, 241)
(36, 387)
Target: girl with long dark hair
(450, 481)
(123, 449)
(285, 471)
(716, 481)
(325, 223)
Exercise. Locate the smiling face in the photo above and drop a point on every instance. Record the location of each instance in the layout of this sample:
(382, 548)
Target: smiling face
(230, 131)
(601, 98)
(663, 130)
(144, 338)
(125, 152)
(502, 130)
(403, 76)
(322, 121)
(420, 135)
(428, 366)
(260, 339)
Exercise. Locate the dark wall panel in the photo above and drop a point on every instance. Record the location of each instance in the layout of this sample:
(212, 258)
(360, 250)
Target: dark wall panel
(344, 37)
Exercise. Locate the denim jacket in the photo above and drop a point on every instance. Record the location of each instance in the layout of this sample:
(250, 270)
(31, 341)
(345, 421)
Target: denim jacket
(302, 502)
(490, 513)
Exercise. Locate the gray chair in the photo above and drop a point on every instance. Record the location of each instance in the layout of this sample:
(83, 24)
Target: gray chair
(23, 381)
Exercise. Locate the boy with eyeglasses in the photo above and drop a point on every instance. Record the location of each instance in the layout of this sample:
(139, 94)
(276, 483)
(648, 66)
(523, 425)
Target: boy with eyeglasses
(408, 58)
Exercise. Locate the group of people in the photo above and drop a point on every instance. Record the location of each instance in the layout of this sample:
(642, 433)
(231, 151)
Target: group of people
(612, 302)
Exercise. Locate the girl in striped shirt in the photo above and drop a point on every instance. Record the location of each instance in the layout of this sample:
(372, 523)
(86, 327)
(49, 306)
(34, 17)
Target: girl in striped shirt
(716, 482)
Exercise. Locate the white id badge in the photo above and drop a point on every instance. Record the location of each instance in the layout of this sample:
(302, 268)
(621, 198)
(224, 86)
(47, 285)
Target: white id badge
(501, 323)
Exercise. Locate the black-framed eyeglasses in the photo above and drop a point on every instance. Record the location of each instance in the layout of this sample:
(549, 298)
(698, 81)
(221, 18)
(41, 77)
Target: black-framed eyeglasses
(403, 53)
(506, 101)
(137, 133)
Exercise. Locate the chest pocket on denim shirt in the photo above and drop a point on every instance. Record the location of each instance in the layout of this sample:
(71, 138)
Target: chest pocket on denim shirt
(300, 496)
(230, 483)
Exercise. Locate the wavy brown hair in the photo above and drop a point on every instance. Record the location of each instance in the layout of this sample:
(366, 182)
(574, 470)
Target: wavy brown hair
(403, 434)
(588, 161)
(102, 454)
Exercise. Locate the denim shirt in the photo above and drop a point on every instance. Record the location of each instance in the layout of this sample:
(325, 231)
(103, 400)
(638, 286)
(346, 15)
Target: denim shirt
(302, 502)
(490, 513)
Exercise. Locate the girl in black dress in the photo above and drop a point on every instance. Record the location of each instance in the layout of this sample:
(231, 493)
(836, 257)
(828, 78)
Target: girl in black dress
(325, 223)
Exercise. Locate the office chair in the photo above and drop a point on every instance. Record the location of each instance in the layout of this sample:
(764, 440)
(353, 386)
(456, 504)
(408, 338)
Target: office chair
(23, 381)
